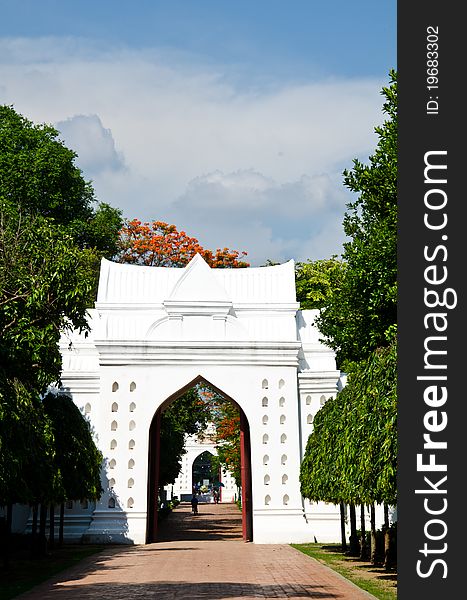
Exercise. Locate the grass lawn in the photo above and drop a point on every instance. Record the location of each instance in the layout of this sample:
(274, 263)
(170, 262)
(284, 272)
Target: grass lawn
(377, 581)
(24, 573)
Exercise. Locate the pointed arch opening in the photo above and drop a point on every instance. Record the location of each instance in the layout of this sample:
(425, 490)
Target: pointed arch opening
(155, 467)
(202, 473)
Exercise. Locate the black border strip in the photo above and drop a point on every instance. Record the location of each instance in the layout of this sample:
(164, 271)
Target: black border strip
(431, 262)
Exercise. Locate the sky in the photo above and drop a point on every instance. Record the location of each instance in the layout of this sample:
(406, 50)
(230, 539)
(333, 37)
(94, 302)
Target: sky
(232, 120)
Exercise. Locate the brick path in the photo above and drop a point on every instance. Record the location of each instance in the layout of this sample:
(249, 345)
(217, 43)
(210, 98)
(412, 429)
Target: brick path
(205, 560)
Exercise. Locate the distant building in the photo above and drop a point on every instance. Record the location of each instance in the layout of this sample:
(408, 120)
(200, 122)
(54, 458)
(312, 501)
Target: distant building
(183, 487)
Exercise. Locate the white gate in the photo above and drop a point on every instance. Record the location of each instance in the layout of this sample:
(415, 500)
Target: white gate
(154, 330)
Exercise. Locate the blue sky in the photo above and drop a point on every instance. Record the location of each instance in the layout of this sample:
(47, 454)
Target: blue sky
(233, 120)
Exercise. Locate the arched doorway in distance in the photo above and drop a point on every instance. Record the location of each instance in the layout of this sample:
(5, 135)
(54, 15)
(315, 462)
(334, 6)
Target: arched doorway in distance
(201, 471)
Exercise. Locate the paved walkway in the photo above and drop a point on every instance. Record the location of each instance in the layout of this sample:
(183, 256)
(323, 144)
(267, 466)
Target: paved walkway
(199, 557)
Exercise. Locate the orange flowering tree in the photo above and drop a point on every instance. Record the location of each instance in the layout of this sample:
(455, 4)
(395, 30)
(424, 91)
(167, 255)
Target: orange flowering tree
(228, 439)
(158, 244)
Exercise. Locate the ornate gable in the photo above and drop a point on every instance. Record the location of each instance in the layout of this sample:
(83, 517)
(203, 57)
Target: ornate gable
(198, 291)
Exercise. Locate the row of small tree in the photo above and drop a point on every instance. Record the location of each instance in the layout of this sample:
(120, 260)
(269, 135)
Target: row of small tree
(351, 456)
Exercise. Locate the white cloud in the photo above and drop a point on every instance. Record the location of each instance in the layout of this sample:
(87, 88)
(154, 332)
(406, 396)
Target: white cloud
(258, 166)
(271, 219)
(93, 143)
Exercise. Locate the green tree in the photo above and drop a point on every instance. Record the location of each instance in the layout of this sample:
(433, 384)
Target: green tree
(51, 239)
(351, 455)
(361, 315)
(27, 450)
(38, 175)
(45, 288)
(316, 281)
(77, 458)
(45, 281)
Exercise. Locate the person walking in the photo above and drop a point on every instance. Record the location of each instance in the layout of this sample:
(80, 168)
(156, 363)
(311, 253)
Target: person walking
(194, 504)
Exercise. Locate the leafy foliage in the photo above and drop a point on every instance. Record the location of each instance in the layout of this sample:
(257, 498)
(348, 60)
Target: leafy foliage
(351, 456)
(51, 240)
(27, 451)
(45, 287)
(159, 244)
(316, 281)
(77, 459)
(38, 173)
(38, 177)
(361, 315)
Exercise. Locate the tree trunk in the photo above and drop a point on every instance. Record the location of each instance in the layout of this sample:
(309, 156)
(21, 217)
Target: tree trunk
(354, 545)
(344, 541)
(52, 527)
(5, 535)
(373, 555)
(387, 539)
(363, 546)
(9, 520)
(9, 517)
(60, 527)
(34, 530)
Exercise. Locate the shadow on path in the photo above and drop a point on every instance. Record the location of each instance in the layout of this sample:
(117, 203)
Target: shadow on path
(184, 590)
(213, 522)
(198, 557)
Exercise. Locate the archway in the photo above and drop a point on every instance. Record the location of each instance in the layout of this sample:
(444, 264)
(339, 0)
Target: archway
(201, 471)
(154, 465)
